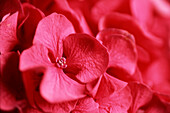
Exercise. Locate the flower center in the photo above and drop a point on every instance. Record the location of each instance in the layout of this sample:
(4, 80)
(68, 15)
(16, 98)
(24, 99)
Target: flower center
(61, 62)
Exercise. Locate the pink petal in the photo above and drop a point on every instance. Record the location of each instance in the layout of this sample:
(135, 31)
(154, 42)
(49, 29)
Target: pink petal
(26, 30)
(65, 107)
(86, 58)
(156, 106)
(9, 6)
(118, 102)
(11, 90)
(163, 97)
(142, 11)
(36, 56)
(160, 27)
(143, 55)
(121, 48)
(33, 61)
(160, 81)
(141, 95)
(109, 85)
(92, 87)
(76, 17)
(148, 16)
(8, 33)
(31, 110)
(56, 86)
(123, 21)
(162, 7)
(85, 7)
(62, 7)
(100, 9)
(32, 79)
(137, 76)
(51, 31)
(86, 105)
(8, 100)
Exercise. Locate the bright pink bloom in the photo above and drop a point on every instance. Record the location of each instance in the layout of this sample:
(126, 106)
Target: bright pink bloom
(85, 59)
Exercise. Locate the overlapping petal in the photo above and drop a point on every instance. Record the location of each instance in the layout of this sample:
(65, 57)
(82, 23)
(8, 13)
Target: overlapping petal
(36, 56)
(44, 106)
(26, 30)
(123, 21)
(86, 105)
(121, 48)
(62, 7)
(109, 85)
(140, 13)
(156, 106)
(156, 82)
(33, 62)
(56, 86)
(86, 58)
(11, 85)
(8, 101)
(99, 9)
(118, 102)
(9, 6)
(51, 31)
(8, 33)
(141, 96)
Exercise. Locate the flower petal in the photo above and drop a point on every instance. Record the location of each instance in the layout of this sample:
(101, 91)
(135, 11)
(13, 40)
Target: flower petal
(51, 31)
(62, 7)
(143, 55)
(8, 33)
(118, 102)
(109, 85)
(8, 101)
(162, 7)
(140, 13)
(32, 79)
(156, 106)
(160, 81)
(86, 105)
(43, 105)
(36, 56)
(33, 62)
(56, 86)
(11, 84)
(9, 6)
(31, 110)
(126, 22)
(100, 9)
(121, 48)
(120, 74)
(92, 87)
(86, 58)
(141, 95)
(26, 30)
(76, 18)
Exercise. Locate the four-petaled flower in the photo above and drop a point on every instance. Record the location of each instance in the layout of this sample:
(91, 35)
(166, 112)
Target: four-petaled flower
(70, 60)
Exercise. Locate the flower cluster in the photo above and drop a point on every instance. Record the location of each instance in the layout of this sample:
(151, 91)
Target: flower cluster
(85, 56)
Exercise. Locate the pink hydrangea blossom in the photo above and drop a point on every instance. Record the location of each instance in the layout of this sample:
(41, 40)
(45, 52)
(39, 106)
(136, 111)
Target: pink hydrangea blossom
(85, 56)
